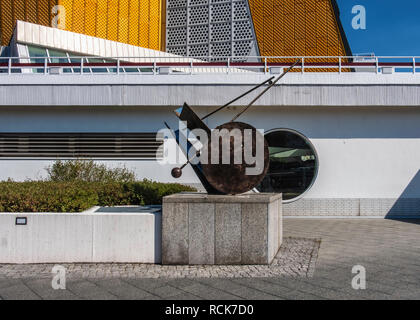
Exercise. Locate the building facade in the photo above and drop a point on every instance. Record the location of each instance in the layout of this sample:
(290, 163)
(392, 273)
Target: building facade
(196, 28)
(341, 143)
(247, 28)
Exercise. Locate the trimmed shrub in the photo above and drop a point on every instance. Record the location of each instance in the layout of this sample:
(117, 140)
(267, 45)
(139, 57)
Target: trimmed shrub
(88, 171)
(77, 196)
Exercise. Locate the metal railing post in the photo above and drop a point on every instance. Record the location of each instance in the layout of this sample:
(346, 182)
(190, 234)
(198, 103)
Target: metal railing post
(265, 65)
(414, 65)
(45, 66)
(303, 65)
(191, 66)
(377, 65)
(118, 66)
(228, 65)
(339, 65)
(154, 67)
(81, 65)
(9, 67)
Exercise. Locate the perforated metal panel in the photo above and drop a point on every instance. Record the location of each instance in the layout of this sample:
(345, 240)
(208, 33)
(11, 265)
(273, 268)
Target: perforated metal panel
(210, 28)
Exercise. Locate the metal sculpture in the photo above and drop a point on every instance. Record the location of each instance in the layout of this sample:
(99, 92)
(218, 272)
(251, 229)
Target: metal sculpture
(230, 178)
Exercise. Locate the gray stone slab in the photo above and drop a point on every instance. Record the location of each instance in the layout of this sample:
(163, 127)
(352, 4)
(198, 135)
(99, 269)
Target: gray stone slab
(223, 230)
(122, 289)
(88, 290)
(273, 230)
(43, 288)
(201, 233)
(228, 233)
(175, 233)
(254, 233)
(208, 198)
(18, 292)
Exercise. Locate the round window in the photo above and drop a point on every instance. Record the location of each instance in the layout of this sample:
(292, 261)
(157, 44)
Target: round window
(293, 164)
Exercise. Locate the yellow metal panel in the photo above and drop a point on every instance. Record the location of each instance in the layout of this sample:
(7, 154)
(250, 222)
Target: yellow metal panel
(163, 25)
(154, 29)
(68, 6)
(289, 31)
(44, 15)
(289, 6)
(137, 22)
(300, 21)
(101, 18)
(112, 30)
(310, 27)
(19, 10)
(123, 21)
(133, 35)
(31, 11)
(78, 25)
(268, 7)
(90, 17)
(278, 48)
(321, 18)
(6, 21)
(300, 47)
(268, 36)
(51, 5)
(300, 27)
(144, 23)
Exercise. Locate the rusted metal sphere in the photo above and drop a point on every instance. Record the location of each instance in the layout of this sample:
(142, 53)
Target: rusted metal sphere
(176, 173)
(232, 178)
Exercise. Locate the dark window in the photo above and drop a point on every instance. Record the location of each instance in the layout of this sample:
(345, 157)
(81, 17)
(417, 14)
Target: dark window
(79, 145)
(293, 164)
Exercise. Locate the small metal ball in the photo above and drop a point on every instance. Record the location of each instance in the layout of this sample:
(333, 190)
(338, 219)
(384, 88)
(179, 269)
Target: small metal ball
(176, 173)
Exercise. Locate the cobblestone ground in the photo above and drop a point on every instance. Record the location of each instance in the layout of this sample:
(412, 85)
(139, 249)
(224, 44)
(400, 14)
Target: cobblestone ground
(389, 250)
(297, 257)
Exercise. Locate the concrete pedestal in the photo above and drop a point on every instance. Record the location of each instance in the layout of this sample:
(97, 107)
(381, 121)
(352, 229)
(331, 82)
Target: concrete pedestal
(201, 229)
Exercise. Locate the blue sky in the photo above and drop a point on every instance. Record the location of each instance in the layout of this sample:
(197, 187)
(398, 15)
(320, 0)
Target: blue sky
(392, 27)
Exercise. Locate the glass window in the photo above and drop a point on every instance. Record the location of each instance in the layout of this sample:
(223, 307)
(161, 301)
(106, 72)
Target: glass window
(59, 57)
(293, 164)
(97, 69)
(35, 52)
(78, 60)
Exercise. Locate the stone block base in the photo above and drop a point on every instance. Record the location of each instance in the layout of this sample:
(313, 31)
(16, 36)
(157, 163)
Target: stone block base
(201, 229)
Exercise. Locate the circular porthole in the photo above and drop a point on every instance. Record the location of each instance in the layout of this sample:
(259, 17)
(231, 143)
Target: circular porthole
(293, 164)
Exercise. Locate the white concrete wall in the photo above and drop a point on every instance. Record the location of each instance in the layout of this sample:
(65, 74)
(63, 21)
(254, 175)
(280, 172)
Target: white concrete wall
(82, 237)
(364, 152)
(310, 89)
(368, 152)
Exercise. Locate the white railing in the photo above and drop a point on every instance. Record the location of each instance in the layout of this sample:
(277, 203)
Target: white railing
(183, 65)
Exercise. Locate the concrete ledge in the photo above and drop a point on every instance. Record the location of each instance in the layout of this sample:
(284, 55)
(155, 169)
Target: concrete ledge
(121, 234)
(384, 208)
(201, 229)
(194, 197)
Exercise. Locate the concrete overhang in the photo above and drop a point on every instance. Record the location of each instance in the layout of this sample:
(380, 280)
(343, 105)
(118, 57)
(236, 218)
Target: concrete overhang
(309, 89)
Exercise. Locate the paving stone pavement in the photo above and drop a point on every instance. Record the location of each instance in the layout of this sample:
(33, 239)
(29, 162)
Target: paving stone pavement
(297, 257)
(389, 250)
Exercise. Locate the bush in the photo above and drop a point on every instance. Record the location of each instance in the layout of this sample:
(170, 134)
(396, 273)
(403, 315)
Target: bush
(88, 171)
(77, 196)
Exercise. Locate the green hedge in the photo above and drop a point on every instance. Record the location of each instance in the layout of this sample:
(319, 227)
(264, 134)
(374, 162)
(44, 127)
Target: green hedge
(49, 196)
